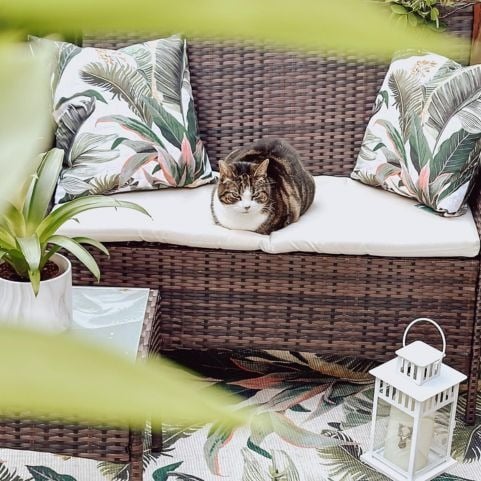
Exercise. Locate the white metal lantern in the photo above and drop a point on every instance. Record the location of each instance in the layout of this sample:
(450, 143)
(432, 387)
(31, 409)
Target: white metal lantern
(414, 411)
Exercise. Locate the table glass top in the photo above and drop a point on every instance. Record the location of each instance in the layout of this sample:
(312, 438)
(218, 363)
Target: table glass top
(110, 316)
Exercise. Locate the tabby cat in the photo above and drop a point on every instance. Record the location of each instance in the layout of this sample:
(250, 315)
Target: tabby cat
(262, 188)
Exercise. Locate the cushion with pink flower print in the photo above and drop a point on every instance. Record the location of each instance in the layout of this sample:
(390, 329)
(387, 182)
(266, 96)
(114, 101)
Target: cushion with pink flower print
(422, 140)
(126, 119)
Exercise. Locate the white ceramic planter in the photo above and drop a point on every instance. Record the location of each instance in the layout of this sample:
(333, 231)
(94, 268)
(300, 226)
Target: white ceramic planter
(50, 311)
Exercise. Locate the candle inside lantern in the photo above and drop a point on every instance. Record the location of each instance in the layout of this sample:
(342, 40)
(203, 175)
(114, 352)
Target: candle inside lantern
(397, 447)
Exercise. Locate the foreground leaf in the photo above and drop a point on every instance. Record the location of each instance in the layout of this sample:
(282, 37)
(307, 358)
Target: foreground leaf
(355, 25)
(24, 115)
(62, 376)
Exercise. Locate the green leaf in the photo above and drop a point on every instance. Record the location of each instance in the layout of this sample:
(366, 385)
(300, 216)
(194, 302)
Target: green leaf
(66, 52)
(443, 73)
(192, 129)
(7, 475)
(133, 164)
(88, 148)
(450, 477)
(35, 278)
(67, 211)
(343, 461)
(298, 408)
(282, 467)
(139, 146)
(25, 121)
(12, 219)
(408, 98)
(118, 141)
(31, 251)
(170, 127)
(350, 25)
(86, 93)
(42, 473)
(386, 170)
(457, 97)
(70, 122)
(274, 422)
(399, 9)
(421, 154)
(395, 136)
(7, 241)
(453, 153)
(218, 436)
(78, 251)
(413, 19)
(42, 188)
(169, 69)
(124, 81)
(87, 240)
(257, 449)
(162, 474)
(64, 377)
(133, 125)
(114, 471)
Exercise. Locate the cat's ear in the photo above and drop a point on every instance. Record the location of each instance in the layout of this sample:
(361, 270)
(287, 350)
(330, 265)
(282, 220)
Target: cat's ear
(261, 170)
(225, 170)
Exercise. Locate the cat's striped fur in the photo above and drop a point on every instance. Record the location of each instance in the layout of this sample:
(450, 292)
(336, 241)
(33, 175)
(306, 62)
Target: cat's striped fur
(262, 187)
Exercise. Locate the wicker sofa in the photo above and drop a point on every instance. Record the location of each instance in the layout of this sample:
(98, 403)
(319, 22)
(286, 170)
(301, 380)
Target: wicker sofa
(345, 304)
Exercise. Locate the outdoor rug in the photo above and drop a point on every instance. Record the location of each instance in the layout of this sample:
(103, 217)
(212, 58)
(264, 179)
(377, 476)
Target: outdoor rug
(316, 413)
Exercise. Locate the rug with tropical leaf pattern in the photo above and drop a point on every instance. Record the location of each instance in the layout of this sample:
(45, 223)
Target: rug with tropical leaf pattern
(316, 413)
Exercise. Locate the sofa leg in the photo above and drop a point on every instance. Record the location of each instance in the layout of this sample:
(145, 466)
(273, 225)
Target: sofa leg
(472, 393)
(136, 450)
(136, 469)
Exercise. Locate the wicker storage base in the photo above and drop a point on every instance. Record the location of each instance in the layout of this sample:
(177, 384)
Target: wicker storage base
(353, 305)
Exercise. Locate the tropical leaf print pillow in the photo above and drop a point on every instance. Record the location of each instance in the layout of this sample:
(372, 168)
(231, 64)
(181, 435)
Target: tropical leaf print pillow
(423, 138)
(126, 119)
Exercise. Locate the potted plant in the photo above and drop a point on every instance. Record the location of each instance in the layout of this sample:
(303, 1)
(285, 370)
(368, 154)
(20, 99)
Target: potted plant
(35, 280)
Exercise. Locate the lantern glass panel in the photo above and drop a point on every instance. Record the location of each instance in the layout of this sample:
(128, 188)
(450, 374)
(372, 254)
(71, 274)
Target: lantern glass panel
(380, 427)
(441, 431)
(399, 438)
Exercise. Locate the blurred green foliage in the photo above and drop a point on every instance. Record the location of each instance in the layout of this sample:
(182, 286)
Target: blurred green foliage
(420, 12)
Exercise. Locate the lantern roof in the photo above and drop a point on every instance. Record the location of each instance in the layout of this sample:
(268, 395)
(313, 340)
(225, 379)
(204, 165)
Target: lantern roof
(420, 353)
(389, 372)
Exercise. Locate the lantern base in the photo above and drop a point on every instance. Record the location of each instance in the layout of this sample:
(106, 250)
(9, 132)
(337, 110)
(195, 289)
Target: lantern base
(395, 475)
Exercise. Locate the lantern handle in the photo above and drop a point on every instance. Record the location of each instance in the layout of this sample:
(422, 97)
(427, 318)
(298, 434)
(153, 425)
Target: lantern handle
(434, 323)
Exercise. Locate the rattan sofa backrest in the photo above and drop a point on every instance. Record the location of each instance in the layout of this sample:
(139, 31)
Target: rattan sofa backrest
(317, 102)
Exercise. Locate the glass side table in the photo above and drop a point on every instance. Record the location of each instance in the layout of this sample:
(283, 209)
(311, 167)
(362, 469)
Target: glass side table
(113, 317)
(122, 320)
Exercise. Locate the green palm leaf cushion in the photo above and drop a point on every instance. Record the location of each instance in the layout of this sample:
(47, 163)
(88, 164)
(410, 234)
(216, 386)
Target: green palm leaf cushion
(123, 116)
(423, 140)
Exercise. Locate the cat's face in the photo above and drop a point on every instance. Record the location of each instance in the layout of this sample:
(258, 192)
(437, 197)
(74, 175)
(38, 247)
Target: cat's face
(244, 187)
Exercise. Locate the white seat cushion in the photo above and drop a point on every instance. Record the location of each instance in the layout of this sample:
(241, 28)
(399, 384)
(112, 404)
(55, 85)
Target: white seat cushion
(346, 217)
